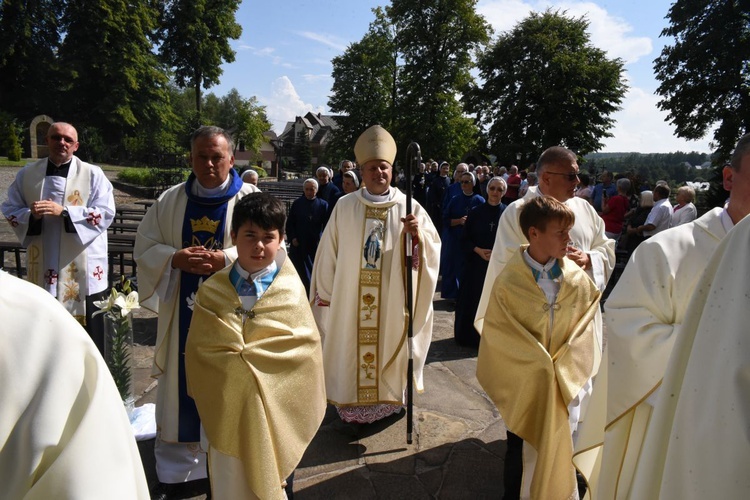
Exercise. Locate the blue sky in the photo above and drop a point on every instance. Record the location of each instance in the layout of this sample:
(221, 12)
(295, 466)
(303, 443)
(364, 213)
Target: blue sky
(284, 57)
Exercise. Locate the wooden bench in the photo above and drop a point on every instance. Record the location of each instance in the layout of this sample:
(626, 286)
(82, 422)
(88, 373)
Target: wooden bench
(123, 227)
(17, 249)
(120, 252)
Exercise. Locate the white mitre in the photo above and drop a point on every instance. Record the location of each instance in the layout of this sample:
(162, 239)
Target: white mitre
(375, 143)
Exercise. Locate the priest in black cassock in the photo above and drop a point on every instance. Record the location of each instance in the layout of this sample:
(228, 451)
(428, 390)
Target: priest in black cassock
(476, 243)
(307, 218)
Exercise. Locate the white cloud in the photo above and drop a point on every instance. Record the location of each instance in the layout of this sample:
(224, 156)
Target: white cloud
(607, 32)
(610, 33)
(317, 78)
(285, 104)
(265, 52)
(257, 51)
(503, 15)
(641, 127)
(328, 40)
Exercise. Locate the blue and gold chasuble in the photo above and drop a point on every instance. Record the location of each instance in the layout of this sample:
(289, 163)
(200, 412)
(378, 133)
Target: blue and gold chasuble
(204, 224)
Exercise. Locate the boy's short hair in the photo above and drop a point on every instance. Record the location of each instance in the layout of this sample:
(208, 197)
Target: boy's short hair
(265, 210)
(537, 212)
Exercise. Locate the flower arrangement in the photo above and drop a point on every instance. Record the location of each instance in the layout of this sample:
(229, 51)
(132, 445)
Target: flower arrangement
(119, 335)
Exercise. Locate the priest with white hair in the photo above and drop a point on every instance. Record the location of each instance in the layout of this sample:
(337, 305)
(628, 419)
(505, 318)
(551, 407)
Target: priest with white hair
(358, 293)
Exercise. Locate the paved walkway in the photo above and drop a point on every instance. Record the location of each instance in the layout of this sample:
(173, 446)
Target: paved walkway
(458, 442)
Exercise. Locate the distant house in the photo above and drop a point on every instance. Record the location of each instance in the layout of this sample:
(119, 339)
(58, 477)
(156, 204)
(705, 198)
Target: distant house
(318, 128)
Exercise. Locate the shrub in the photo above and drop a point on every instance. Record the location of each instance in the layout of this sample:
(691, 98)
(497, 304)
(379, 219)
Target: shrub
(138, 176)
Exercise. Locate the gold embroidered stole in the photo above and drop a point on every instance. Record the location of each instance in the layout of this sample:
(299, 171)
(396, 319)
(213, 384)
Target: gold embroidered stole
(72, 276)
(368, 317)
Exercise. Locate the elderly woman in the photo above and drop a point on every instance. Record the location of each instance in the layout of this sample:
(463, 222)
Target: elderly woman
(477, 241)
(326, 189)
(454, 218)
(349, 184)
(307, 219)
(250, 176)
(615, 208)
(684, 211)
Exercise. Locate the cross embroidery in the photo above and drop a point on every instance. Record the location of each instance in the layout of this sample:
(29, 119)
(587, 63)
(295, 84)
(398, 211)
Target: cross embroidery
(492, 227)
(93, 218)
(50, 276)
(12, 220)
(98, 273)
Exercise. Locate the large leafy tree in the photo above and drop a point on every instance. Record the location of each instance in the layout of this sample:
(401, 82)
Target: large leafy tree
(545, 84)
(436, 40)
(29, 40)
(112, 79)
(407, 74)
(705, 74)
(244, 118)
(196, 36)
(364, 87)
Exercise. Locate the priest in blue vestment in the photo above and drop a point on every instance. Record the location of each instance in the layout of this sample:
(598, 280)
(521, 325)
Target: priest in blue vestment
(185, 238)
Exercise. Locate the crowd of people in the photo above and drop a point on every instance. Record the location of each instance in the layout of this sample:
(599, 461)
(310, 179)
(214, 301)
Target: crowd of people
(265, 317)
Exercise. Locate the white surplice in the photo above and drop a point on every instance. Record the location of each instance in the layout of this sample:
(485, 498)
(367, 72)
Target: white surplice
(697, 444)
(87, 196)
(344, 251)
(64, 432)
(644, 315)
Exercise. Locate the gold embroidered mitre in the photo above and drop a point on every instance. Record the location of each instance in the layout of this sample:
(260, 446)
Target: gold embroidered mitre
(375, 143)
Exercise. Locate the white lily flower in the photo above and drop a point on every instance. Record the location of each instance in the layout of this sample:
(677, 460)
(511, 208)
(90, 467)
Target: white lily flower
(105, 305)
(127, 303)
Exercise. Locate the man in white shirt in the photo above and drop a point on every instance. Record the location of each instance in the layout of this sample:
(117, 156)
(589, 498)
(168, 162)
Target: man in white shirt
(660, 216)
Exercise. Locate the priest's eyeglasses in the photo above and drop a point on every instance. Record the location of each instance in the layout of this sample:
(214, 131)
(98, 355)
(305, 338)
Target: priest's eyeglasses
(571, 177)
(57, 137)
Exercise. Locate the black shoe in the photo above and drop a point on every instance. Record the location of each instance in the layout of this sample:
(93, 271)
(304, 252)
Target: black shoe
(162, 491)
(582, 485)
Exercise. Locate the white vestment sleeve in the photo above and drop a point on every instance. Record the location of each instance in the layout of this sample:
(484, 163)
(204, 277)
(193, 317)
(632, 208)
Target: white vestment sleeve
(16, 210)
(101, 203)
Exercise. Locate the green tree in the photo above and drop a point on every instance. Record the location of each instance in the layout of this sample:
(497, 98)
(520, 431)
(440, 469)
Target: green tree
(245, 119)
(302, 152)
(9, 132)
(436, 40)
(29, 40)
(113, 79)
(364, 86)
(196, 36)
(545, 84)
(705, 75)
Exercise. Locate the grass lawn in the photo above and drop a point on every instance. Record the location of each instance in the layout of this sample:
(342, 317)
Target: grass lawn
(5, 162)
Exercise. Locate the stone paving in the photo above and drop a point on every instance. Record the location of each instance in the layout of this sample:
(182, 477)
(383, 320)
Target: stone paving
(458, 441)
